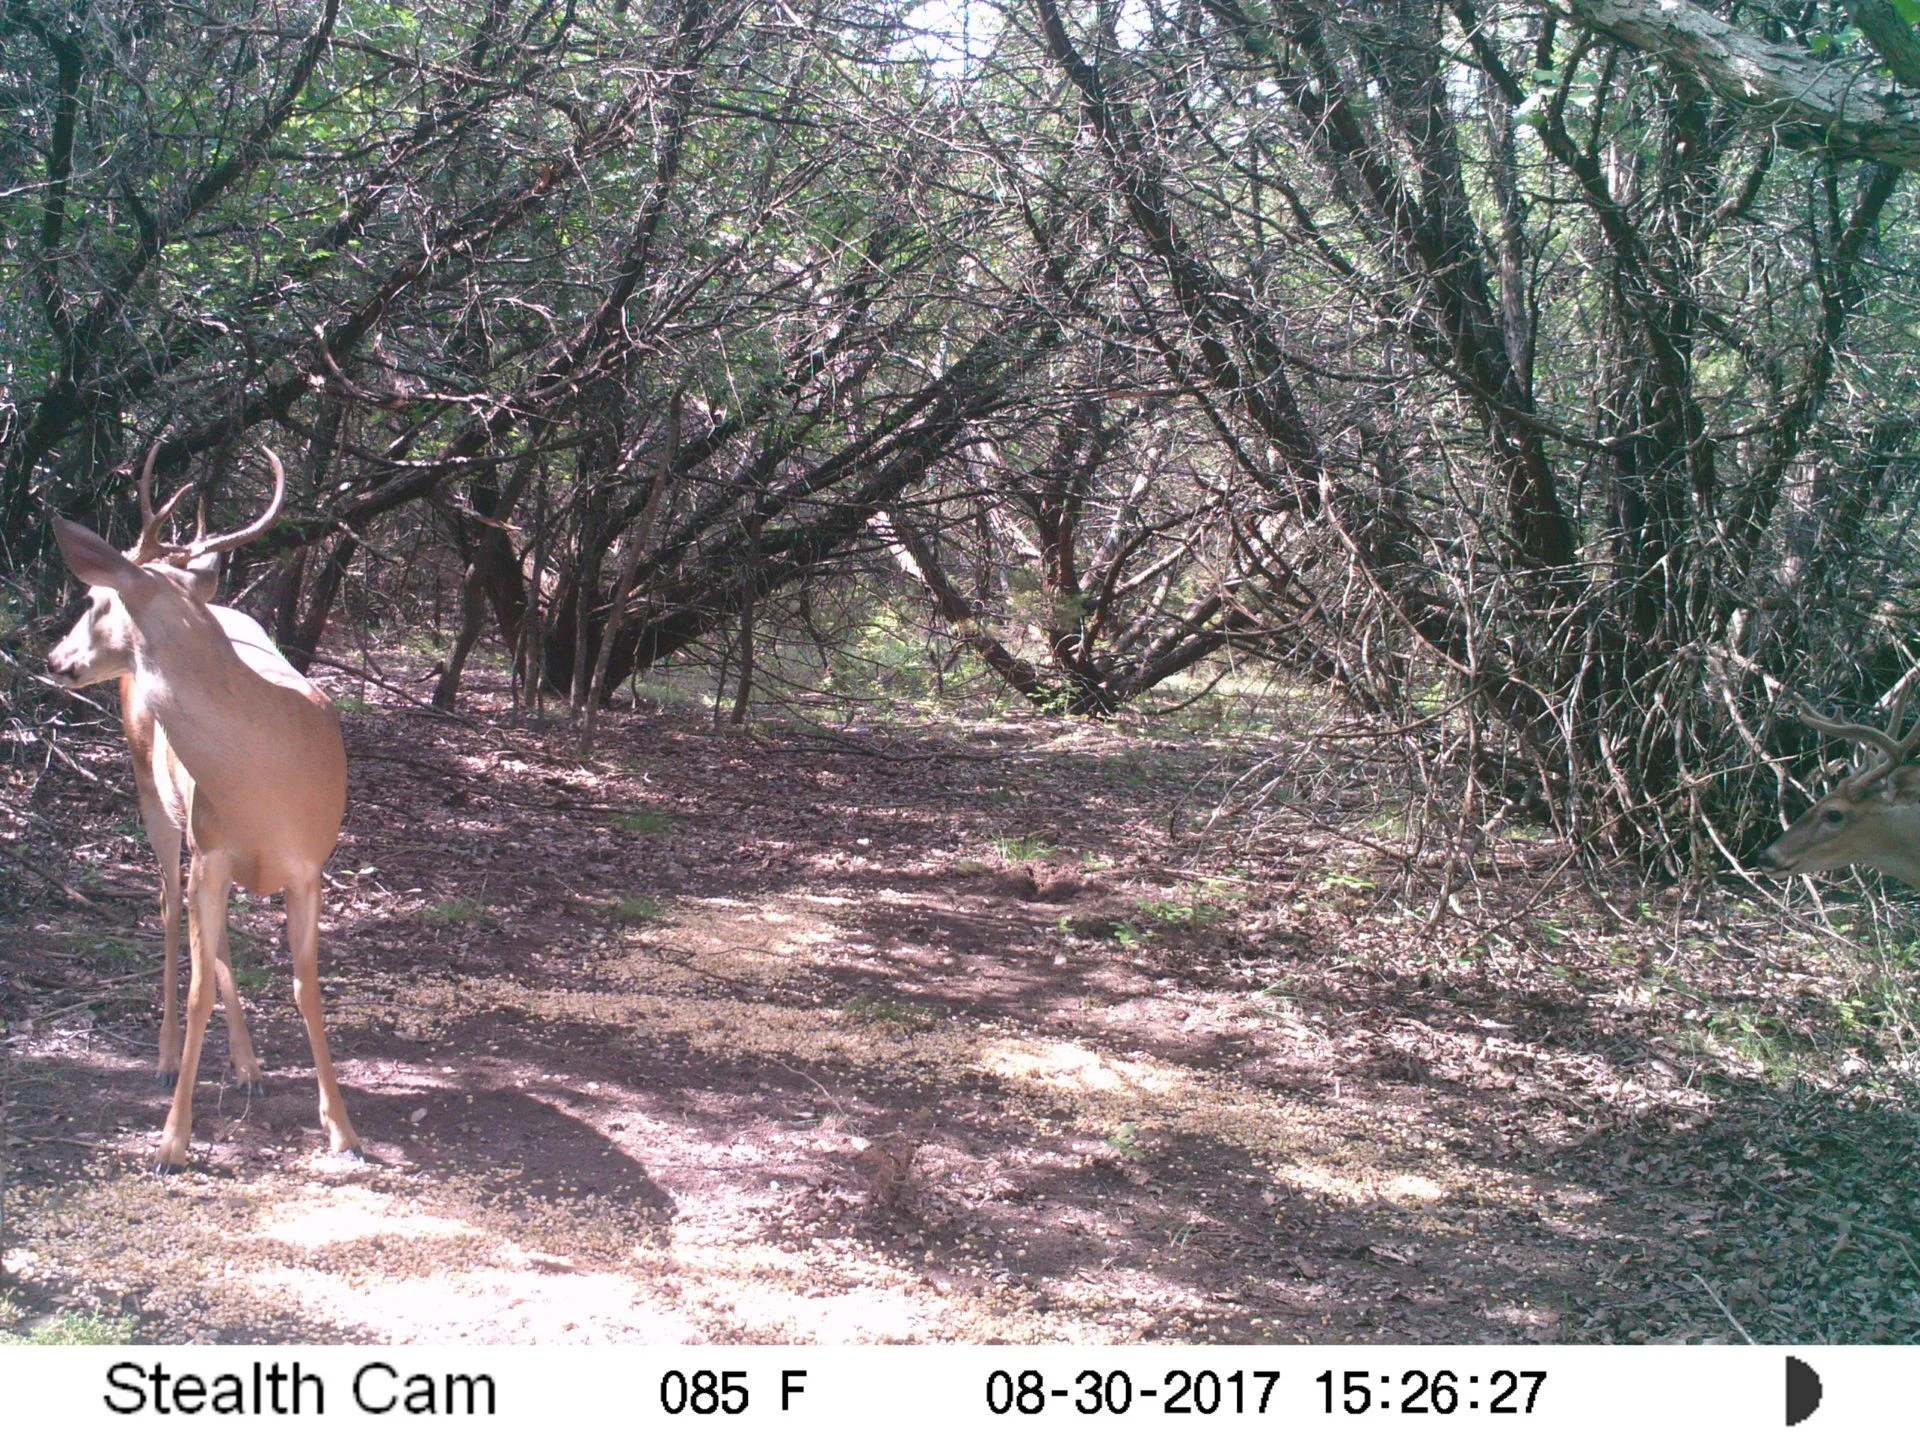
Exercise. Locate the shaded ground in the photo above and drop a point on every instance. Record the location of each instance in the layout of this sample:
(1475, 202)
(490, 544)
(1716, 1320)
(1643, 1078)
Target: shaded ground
(925, 1032)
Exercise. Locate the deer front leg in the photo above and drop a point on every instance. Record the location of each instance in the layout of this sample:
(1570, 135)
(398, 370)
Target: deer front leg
(303, 939)
(207, 880)
(164, 835)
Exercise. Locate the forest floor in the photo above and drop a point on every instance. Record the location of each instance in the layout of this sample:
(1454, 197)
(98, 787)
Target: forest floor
(939, 1030)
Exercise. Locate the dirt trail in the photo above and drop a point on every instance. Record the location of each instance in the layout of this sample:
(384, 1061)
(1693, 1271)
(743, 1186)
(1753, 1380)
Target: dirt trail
(915, 1032)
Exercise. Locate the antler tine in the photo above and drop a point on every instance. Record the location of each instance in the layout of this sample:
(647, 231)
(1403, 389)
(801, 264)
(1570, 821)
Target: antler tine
(1841, 730)
(153, 521)
(145, 484)
(1903, 747)
(1897, 709)
(212, 544)
(150, 548)
(1894, 747)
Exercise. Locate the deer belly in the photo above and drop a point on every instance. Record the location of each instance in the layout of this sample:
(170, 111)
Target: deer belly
(265, 852)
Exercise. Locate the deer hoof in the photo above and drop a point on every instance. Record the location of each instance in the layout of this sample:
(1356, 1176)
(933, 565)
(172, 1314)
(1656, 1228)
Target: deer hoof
(253, 1089)
(168, 1167)
(166, 1079)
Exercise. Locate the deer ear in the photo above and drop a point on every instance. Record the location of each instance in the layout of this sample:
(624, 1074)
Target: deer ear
(1905, 784)
(93, 559)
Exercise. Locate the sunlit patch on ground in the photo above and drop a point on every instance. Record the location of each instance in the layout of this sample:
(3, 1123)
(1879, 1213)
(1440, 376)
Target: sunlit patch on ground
(340, 1217)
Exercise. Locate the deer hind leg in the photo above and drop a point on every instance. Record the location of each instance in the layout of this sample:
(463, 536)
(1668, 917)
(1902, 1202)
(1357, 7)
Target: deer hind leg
(207, 882)
(165, 836)
(303, 939)
(246, 1065)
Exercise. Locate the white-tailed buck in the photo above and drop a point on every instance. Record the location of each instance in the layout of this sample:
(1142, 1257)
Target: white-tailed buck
(1872, 817)
(245, 759)
(100, 647)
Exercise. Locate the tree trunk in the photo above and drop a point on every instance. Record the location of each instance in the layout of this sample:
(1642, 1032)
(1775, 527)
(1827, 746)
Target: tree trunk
(473, 615)
(532, 637)
(745, 697)
(286, 597)
(305, 640)
(637, 547)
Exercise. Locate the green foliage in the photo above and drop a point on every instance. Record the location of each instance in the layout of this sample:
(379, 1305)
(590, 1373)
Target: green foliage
(119, 954)
(645, 821)
(635, 909)
(879, 1008)
(1345, 880)
(73, 1327)
(1018, 849)
(1187, 914)
(461, 910)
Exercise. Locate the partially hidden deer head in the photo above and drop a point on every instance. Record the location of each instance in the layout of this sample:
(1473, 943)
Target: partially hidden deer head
(1871, 817)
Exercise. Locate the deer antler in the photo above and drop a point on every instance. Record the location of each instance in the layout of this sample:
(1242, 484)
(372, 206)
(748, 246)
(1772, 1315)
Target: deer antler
(213, 544)
(152, 521)
(1896, 750)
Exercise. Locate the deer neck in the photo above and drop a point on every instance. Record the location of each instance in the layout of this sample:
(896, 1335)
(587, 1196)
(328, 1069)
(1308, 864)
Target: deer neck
(1895, 836)
(1904, 864)
(219, 715)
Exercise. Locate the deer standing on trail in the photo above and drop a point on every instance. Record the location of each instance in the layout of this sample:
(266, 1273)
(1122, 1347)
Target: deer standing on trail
(100, 647)
(1872, 817)
(245, 759)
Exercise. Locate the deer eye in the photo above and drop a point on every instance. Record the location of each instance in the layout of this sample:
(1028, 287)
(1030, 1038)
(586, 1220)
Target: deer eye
(1834, 817)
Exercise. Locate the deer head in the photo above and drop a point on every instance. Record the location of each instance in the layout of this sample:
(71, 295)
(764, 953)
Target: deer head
(1872, 817)
(101, 644)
